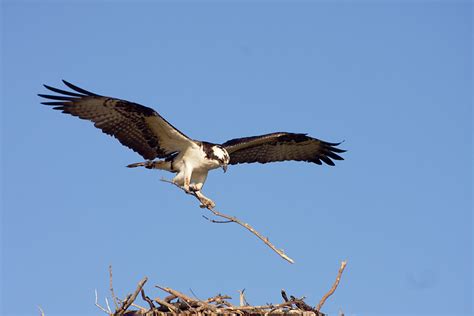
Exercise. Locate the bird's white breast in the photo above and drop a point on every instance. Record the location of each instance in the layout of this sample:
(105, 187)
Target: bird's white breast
(196, 158)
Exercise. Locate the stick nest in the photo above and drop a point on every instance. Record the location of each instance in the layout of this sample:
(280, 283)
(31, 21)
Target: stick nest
(177, 303)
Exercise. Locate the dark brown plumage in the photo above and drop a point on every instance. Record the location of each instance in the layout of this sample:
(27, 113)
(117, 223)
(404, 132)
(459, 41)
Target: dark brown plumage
(136, 126)
(280, 147)
(143, 130)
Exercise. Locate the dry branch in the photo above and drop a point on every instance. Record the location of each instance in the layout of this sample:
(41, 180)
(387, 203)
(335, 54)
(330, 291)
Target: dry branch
(234, 219)
(96, 304)
(148, 300)
(166, 304)
(242, 300)
(334, 286)
(41, 311)
(111, 287)
(131, 298)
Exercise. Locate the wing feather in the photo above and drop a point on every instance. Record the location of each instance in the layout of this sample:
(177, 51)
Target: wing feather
(136, 126)
(282, 146)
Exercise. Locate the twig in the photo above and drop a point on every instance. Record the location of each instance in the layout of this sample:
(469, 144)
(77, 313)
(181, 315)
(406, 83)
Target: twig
(216, 221)
(334, 286)
(165, 303)
(108, 306)
(194, 294)
(143, 309)
(285, 297)
(300, 303)
(262, 307)
(169, 298)
(182, 296)
(41, 311)
(218, 298)
(287, 305)
(114, 298)
(242, 299)
(131, 298)
(189, 301)
(234, 219)
(133, 304)
(148, 300)
(96, 304)
(186, 299)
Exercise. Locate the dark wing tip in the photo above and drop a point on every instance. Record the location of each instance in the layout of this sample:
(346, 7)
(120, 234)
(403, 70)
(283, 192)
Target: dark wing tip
(330, 152)
(64, 92)
(334, 156)
(77, 89)
(53, 103)
(333, 146)
(65, 96)
(56, 97)
(326, 160)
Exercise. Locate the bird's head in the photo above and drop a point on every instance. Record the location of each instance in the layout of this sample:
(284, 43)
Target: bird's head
(221, 155)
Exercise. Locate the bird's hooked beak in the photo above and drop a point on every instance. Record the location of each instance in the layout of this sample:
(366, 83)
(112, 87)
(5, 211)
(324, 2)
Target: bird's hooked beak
(224, 167)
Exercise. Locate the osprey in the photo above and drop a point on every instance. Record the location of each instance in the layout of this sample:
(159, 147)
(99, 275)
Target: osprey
(146, 132)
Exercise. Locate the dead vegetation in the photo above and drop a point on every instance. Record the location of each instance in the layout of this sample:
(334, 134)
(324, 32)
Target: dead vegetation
(178, 303)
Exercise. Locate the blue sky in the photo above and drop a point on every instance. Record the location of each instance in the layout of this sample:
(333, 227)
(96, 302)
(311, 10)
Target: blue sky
(393, 79)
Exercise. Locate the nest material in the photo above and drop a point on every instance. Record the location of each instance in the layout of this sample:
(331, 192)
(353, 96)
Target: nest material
(178, 303)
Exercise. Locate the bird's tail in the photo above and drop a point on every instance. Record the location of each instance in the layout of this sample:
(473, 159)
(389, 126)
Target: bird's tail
(159, 164)
(138, 164)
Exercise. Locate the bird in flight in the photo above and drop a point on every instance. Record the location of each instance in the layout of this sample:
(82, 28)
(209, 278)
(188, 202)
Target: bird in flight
(146, 132)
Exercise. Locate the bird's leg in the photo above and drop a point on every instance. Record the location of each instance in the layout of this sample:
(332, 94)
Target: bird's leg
(185, 174)
(198, 179)
(183, 180)
(186, 184)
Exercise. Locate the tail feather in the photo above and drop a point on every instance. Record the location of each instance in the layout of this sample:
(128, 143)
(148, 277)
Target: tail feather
(137, 164)
(159, 164)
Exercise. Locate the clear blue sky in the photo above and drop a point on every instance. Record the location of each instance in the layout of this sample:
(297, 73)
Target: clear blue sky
(393, 79)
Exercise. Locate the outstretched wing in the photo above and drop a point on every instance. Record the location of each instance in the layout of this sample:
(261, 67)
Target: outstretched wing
(280, 147)
(136, 126)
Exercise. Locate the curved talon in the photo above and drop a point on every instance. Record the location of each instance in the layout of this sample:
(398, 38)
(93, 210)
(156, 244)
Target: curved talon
(188, 190)
(193, 187)
(206, 203)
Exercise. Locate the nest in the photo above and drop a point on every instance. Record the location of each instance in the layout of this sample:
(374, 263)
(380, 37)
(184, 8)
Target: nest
(177, 303)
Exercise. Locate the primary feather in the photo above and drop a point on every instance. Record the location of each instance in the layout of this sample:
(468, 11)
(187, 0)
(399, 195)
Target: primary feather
(136, 126)
(280, 147)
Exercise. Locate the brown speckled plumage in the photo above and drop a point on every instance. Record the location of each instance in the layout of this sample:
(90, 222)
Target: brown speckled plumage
(282, 146)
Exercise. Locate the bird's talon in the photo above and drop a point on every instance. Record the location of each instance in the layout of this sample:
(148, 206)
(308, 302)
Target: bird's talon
(187, 189)
(193, 188)
(149, 164)
(206, 203)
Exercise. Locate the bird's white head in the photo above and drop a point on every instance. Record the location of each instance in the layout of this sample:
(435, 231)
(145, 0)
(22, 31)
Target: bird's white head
(221, 155)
